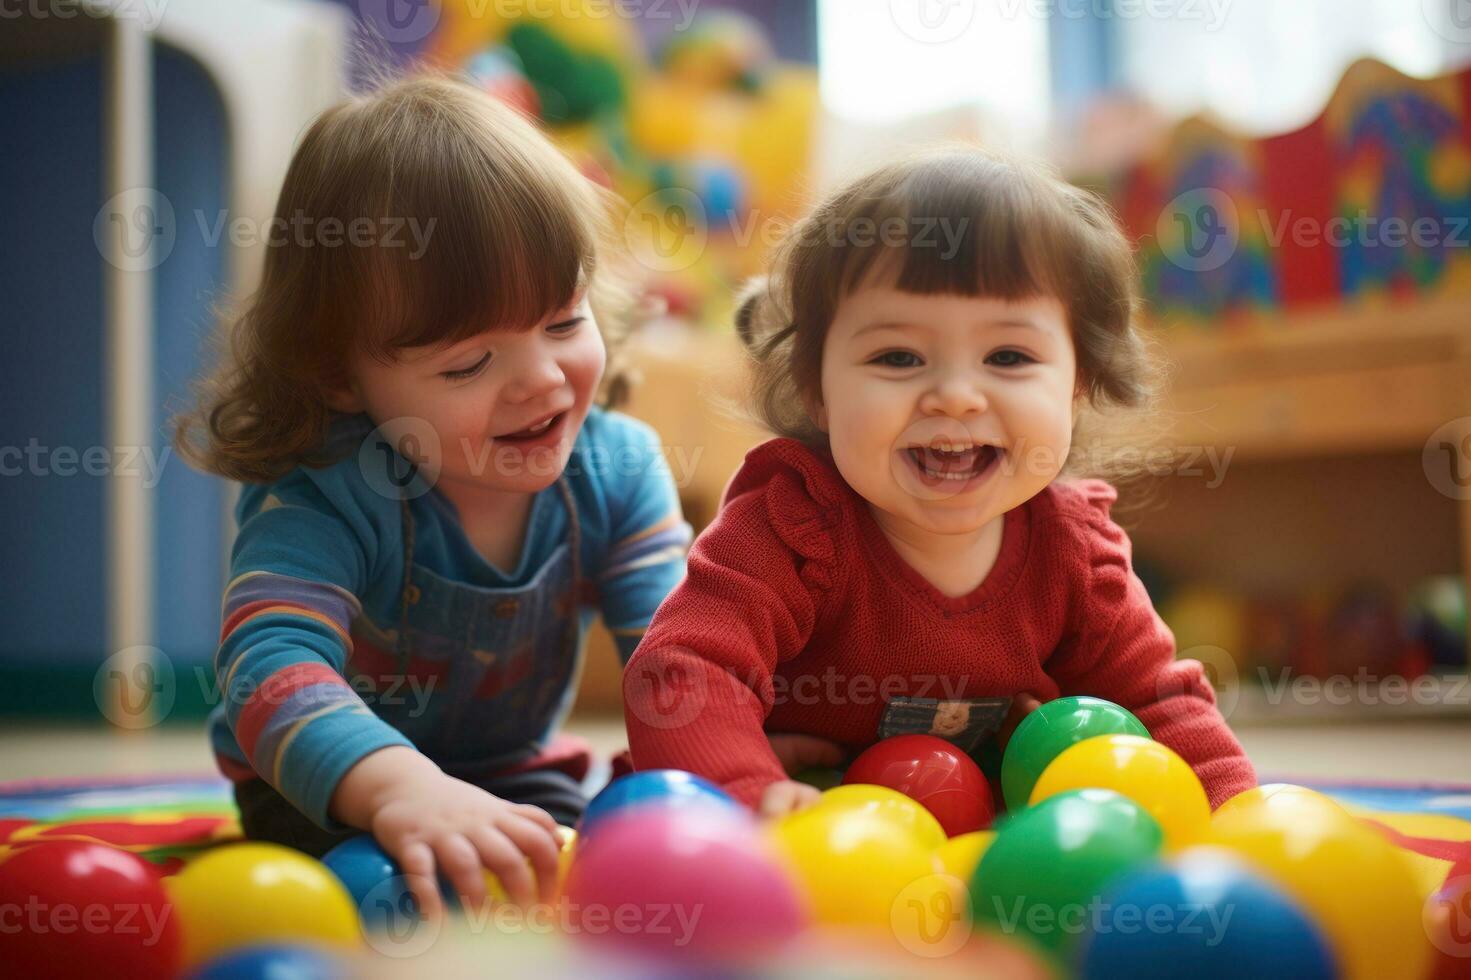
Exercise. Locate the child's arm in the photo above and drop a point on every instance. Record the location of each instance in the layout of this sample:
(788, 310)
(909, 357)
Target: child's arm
(699, 688)
(1123, 651)
(298, 570)
(648, 539)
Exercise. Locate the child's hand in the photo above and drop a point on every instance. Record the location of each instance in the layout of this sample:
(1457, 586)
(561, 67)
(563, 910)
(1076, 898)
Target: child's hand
(430, 822)
(798, 752)
(785, 797)
(1021, 706)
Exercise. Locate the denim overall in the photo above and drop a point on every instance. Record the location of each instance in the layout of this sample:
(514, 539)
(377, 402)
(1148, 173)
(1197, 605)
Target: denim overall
(475, 677)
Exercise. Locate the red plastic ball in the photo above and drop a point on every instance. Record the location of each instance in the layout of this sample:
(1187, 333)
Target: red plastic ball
(78, 909)
(930, 770)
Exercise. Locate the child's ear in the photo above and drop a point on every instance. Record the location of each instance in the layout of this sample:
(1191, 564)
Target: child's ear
(345, 399)
(817, 412)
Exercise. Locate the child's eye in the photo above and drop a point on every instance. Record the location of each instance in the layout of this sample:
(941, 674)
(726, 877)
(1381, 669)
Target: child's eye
(897, 359)
(1009, 358)
(468, 372)
(565, 327)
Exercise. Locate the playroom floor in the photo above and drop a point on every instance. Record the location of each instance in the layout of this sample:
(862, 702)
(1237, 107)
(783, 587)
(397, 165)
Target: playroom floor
(1429, 750)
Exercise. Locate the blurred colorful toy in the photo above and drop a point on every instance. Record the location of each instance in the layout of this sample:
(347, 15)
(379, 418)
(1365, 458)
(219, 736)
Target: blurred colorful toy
(1044, 734)
(722, 49)
(1436, 618)
(1145, 771)
(374, 880)
(1204, 616)
(852, 865)
(1051, 862)
(1221, 922)
(665, 864)
(933, 772)
(75, 909)
(275, 963)
(667, 788)
(887, 804)
(248, 894)
(1356, 885)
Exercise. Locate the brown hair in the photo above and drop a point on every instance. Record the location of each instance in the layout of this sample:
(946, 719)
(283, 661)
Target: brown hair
(505, 231)
(966, 222)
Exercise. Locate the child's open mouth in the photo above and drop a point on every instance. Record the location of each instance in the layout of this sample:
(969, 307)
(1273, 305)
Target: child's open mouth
(536, 432)
(953, 468)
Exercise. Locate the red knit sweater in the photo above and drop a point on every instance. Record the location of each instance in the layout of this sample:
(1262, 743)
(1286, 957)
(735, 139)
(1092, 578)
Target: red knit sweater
(797, 615)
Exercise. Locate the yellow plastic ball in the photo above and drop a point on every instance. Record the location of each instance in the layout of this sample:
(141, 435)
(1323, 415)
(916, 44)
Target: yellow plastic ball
(852, 865)
(887, 804)
(1142, 769)
(961, 854)
(1360, 888)
(567, 840)
(1285, 798)
(246, 894)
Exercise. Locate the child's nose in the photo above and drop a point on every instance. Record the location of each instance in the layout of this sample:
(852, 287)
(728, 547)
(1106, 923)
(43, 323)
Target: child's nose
(533, 377)
(957, 393)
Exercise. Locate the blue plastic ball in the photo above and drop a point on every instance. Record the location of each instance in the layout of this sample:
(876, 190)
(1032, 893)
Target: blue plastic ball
(654, 787)
(375, 882)
(1205, 916)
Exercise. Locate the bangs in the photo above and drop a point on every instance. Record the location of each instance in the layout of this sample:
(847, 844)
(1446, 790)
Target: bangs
(958, 224)
(487, 226)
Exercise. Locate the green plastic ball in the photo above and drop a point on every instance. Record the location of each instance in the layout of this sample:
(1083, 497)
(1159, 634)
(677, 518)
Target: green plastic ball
(1051, 729)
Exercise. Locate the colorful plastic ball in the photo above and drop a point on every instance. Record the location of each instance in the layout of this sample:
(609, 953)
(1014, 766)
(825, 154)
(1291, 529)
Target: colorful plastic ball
(84, 909)
(274, 963)
(247, 894)
(933, 772)
(567, 846)
(961, 855)
(1048, 731)
(375, 882)
(852, 865)
(887, 804)
(1145, 771)
(1284, 798)
(694, 882)
(1051, 863)
(670, 788)
(1205, 916)
(1360, 888)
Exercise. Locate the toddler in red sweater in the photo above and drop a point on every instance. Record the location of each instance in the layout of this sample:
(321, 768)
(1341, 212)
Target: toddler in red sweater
(914, 554)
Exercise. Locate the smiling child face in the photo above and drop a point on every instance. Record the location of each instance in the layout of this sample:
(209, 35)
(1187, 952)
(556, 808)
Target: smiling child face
(945, 411)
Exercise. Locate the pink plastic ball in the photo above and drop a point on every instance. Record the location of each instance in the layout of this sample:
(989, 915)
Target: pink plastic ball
(691, 882)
